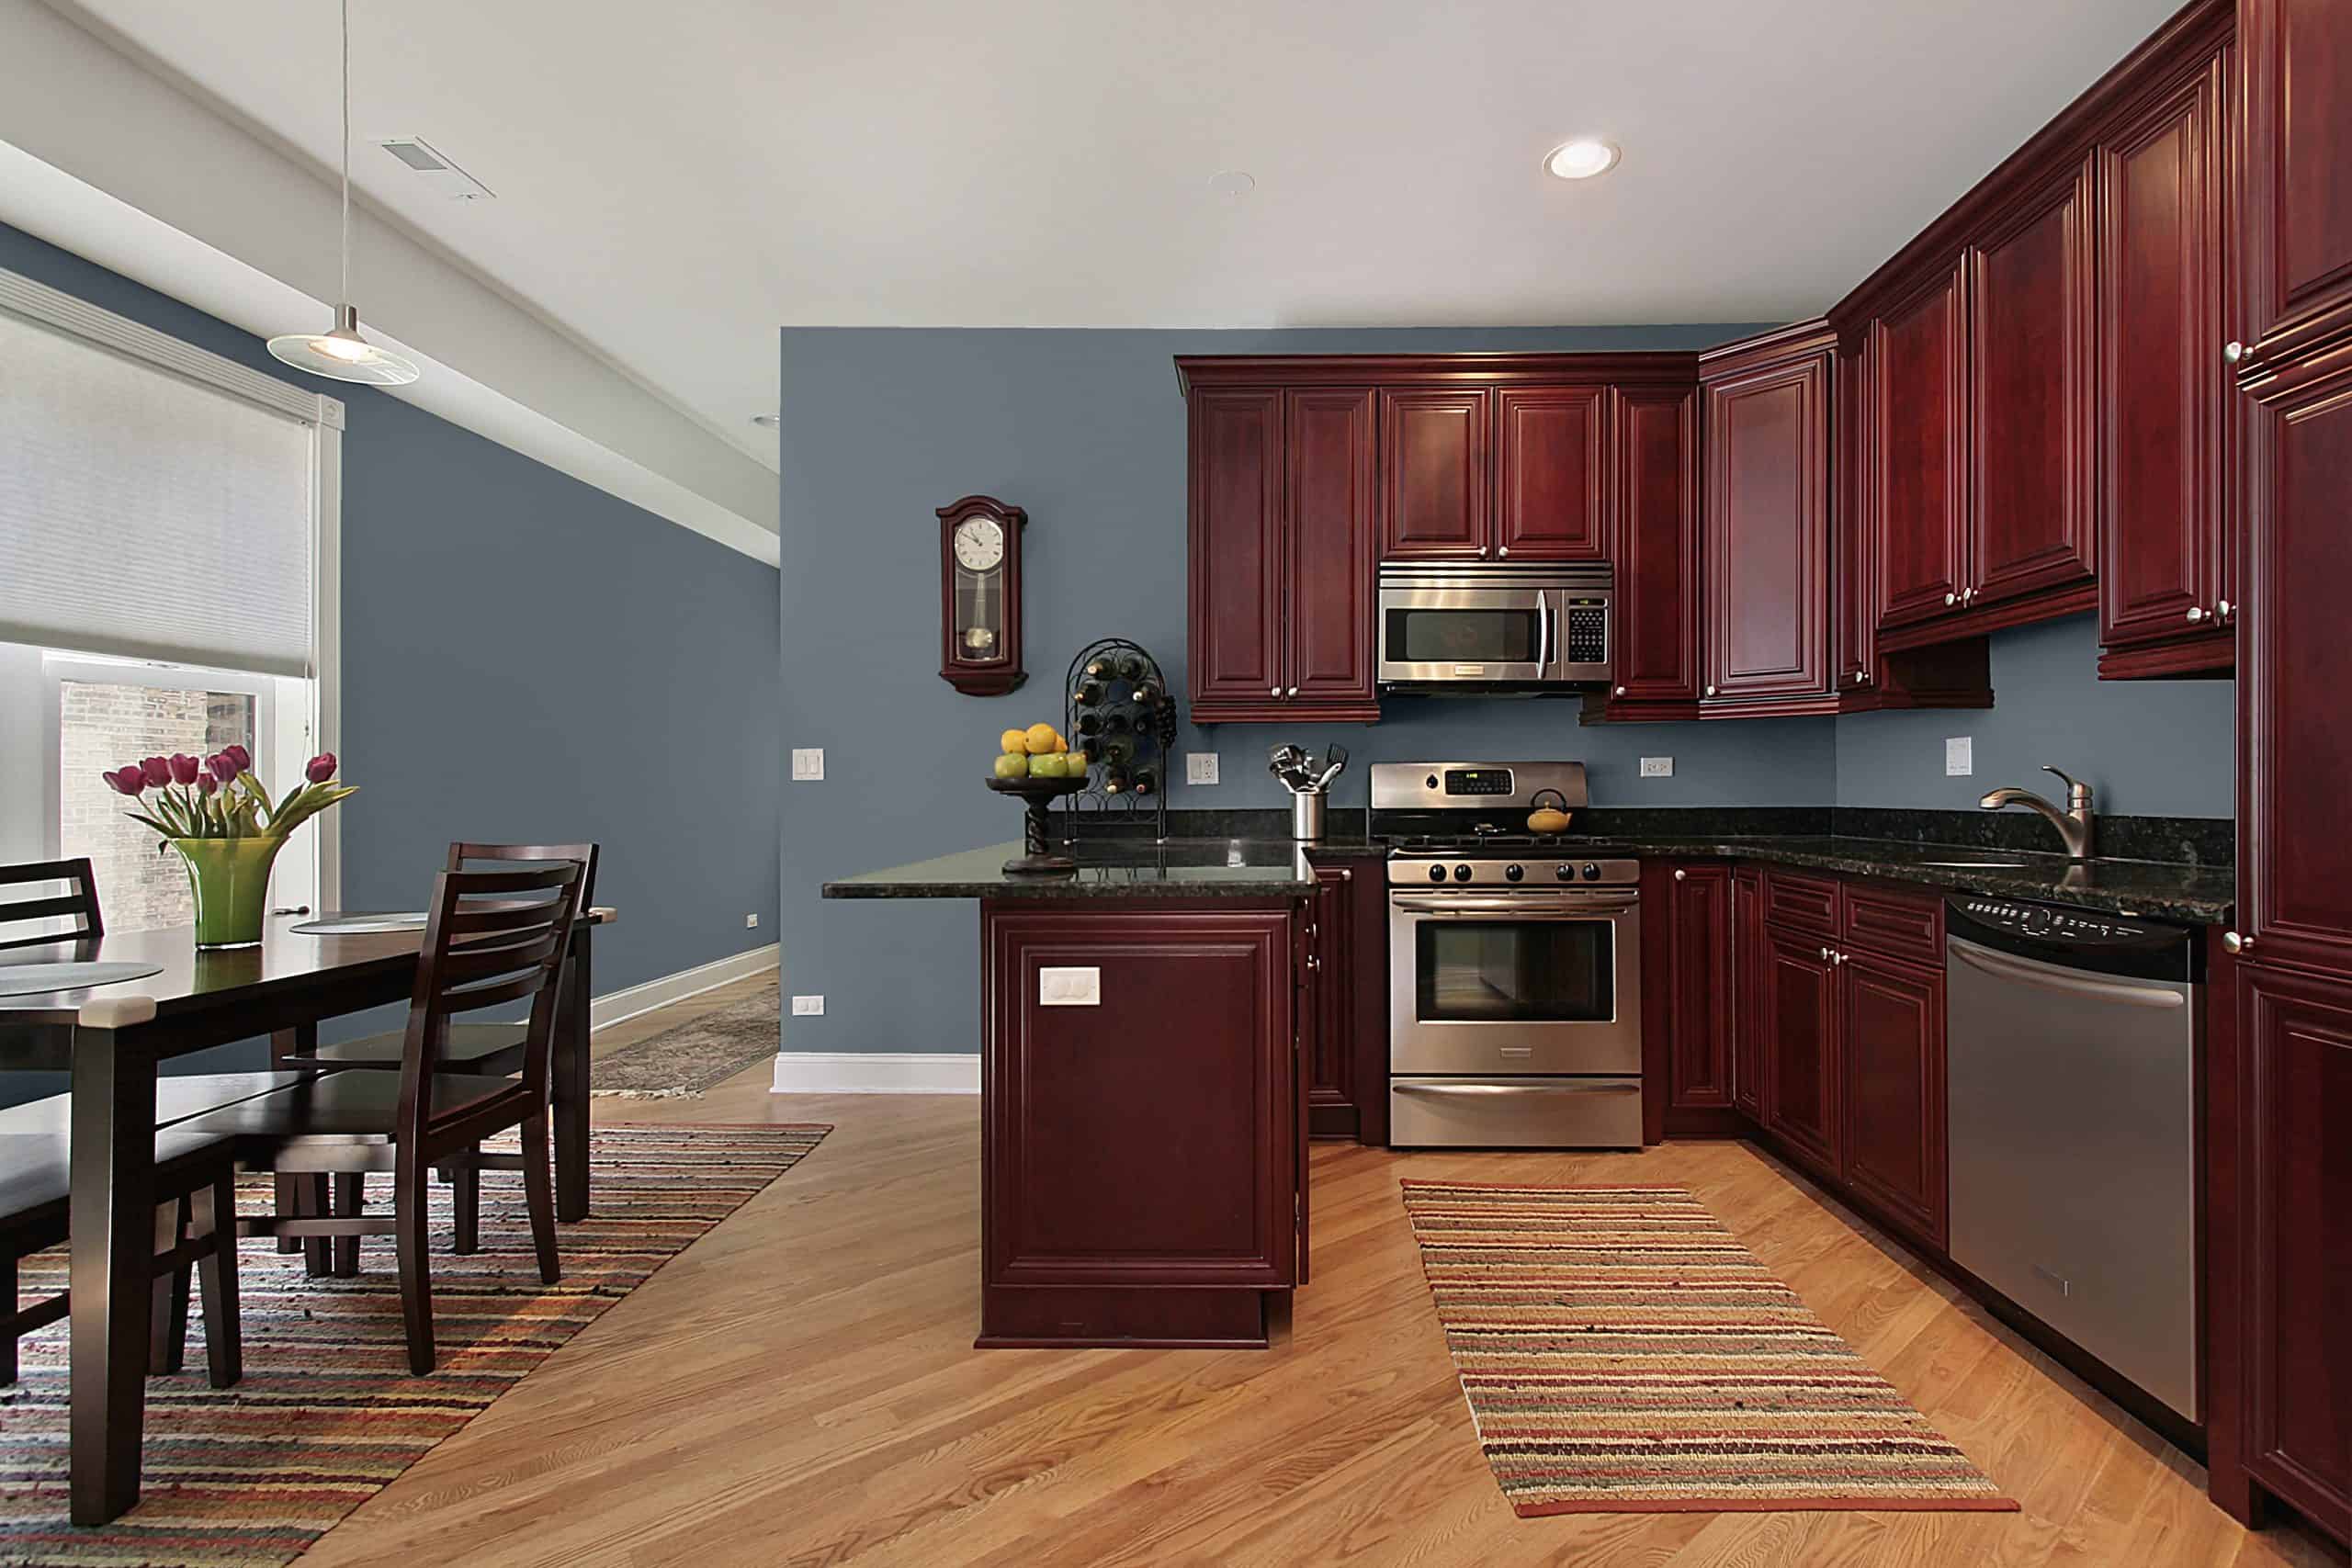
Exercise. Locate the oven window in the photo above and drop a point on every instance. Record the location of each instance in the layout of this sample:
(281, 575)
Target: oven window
(1463, 637)
(1515, 971)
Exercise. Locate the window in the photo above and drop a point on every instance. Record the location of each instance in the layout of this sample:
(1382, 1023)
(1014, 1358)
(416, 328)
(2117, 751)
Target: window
(169, 541)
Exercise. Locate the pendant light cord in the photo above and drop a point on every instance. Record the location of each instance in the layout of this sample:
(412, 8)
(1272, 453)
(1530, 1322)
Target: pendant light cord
(346, 153)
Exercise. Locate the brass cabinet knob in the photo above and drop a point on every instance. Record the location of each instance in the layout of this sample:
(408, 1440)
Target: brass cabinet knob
(2232, 942)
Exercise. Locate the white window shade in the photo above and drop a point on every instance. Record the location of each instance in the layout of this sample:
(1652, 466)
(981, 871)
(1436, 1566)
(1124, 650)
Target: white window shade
(144, 515)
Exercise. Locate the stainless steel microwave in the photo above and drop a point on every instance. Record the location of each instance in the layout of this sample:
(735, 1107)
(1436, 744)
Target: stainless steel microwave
(1505, 629)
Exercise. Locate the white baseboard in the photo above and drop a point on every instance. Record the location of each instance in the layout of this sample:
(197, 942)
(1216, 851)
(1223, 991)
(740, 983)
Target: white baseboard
(618, 1007)
(877, 1072)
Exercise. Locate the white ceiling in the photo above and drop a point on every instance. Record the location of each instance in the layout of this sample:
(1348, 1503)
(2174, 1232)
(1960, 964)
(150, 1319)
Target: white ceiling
(674, 181)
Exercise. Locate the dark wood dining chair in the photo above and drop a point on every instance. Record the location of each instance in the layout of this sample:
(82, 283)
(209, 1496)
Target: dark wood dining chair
(492, 938)
(490, 1049)
(196, 1229)
(79, 902)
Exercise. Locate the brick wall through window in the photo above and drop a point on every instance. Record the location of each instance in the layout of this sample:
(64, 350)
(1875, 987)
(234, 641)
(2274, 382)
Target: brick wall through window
(104, 726)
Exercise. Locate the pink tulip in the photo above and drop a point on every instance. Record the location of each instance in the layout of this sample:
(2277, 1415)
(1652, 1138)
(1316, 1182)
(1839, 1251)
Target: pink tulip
(127, 780)
(239, 758)
(184, 768)
(321, 768)
(156, 771)
(206, 784)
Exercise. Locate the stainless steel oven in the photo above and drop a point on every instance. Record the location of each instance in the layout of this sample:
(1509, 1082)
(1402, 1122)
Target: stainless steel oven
(1498, 628)
(1514, 1009)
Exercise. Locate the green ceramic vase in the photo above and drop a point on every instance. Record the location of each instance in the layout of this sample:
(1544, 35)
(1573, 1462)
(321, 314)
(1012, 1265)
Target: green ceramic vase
(230, 880)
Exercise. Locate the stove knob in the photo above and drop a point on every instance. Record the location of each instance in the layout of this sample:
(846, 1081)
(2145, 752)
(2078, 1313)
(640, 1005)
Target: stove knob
(1564, 873)
(1591, 872)
(1437, 874)
(1461, 874)
(1513, 872)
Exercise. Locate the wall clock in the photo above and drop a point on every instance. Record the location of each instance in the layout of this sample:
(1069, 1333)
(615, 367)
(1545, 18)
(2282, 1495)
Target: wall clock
(979, 596)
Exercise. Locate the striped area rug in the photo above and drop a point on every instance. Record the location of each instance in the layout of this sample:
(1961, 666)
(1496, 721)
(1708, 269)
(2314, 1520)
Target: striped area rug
(1623, 1353)
(328, 1413)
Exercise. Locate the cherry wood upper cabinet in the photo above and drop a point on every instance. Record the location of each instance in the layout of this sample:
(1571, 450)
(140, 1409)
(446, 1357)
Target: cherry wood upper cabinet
(1434, 447)
(1550, 459)
(1328, 585)
(1237, 653)
(2030, 522)
(1656, 549)
(2294, 1086)
(2298, 190)
(1768, 504)
(1892, 1035)
(1918, 450)
(2167, 414)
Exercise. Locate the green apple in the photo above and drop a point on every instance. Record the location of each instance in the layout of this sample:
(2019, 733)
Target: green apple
(1048, 766)
(1012, 767)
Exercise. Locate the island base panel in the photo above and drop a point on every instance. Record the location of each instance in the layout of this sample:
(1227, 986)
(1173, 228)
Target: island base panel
(1114, 1317)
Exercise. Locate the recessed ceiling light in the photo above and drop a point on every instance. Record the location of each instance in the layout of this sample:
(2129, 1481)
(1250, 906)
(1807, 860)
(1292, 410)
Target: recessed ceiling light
(765, 420)
(1582, 159)
(1233, 182)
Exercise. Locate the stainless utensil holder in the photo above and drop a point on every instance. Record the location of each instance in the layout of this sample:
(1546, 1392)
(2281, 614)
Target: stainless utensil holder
(1306, 813)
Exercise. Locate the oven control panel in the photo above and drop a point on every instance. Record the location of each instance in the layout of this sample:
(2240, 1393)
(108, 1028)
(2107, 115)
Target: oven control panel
(1524, 876)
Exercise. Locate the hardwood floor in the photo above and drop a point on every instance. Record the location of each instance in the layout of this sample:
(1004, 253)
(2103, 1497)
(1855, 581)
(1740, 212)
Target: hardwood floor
(799, 1388)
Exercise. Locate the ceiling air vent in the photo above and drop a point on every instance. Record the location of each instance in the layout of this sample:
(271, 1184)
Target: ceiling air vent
(435, 168)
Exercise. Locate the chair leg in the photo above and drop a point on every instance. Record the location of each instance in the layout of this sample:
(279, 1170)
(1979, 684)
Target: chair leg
(317, 1258)
(7, 1317)
(409, 1184)
(538, 1197)
(224, 1345)
(465, 1203)
(350, 1198)
(289, 1201)
(167, 1323)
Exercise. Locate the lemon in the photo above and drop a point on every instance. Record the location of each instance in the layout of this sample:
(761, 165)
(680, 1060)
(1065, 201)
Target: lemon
(1014, 742)
(1060, 744)
(1040, 738)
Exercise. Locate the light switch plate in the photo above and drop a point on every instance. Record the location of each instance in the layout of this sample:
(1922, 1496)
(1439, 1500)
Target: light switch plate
(1071, 987)
(808, 1007)
(1657, 767)
(1200, 767)
(1959, 756)
(807, 762)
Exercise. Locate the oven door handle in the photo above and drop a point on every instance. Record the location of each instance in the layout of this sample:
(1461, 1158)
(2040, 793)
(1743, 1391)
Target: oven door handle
(1473, 907)
(1613, 1087)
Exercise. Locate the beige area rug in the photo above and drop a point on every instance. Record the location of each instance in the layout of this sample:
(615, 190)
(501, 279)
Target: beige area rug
(695, 1056)
(1622, 1352)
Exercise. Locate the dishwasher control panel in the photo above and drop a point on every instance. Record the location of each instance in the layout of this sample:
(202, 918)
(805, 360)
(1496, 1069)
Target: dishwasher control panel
(2056, 920)
(2069, 935)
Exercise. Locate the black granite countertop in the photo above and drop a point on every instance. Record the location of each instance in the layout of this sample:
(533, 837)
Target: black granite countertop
(1251, 867)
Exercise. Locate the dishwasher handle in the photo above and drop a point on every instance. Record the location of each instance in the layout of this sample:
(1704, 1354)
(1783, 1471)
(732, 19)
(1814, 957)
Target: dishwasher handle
(2070, 982)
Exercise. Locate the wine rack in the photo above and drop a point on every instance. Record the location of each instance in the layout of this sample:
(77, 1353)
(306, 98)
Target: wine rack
(1117, 708)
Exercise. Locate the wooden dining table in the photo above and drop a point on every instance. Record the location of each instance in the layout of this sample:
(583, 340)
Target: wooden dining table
(112, 1039)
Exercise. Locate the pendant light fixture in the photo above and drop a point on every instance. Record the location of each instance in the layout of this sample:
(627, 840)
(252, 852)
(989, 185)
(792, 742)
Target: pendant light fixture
(340, 354)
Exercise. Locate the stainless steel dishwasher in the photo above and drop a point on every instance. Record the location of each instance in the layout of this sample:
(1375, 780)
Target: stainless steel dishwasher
(2071, 1036)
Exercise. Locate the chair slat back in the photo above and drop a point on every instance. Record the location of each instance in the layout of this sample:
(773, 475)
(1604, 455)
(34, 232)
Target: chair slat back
(464, 964)
(79, 900)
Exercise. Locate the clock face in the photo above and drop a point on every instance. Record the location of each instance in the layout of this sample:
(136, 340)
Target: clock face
(980, 544)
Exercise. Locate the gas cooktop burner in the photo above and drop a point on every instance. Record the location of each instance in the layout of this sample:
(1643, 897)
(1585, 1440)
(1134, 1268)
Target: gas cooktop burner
(1453, 843)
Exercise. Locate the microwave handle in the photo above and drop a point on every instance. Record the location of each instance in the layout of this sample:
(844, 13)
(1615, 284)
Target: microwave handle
(1544, 615)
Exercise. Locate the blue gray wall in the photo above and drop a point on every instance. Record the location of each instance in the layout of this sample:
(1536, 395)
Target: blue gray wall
(2146, 748)
(527, 656)
(1086, 430)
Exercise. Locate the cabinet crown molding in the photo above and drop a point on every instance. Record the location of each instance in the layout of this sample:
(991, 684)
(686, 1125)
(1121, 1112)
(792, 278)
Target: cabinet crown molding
(1600, 367)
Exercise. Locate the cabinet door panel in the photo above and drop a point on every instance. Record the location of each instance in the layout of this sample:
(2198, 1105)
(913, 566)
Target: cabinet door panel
(2299, 164)
(1768, 532)
(2031, 460)
(1800, 995)
(1748, 1023)
(1550, 468)
(1893, 1039)
(1331, 1075)
(1433, 459)
(1237, 650)
(2295, 881)
(2163, 388)
(2296, 1101)
(1330, 572)
(1918, 418)
(1700, 1069)
(1657, 565)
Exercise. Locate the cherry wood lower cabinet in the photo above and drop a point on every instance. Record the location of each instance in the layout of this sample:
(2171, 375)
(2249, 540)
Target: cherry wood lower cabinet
(1798, 1000)
(1891, 1029)
(1347, 1054)
(1142, 1157)
(1747, 1026)
(1696, 954)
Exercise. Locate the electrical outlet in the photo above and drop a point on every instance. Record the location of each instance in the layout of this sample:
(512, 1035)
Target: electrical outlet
(808, 1007)
(1071, 988)
(1200, 767)
(752, 921)
(1960, 757)
(807, 763)
(1657, 767)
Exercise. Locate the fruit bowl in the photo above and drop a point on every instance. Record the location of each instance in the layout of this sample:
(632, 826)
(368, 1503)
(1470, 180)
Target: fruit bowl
(1039, 859)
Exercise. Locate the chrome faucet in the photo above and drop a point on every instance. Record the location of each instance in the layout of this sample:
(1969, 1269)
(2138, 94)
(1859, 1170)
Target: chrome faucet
(2074, 824)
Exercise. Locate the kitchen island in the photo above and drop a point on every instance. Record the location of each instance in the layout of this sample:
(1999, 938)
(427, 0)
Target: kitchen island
(1143, 1103)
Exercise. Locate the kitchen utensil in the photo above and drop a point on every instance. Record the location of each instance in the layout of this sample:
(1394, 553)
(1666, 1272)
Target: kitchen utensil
(1307, 811)
(1553, 818)
(1334, 759)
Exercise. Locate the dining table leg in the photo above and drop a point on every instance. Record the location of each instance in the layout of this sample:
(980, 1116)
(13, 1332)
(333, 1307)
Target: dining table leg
(284, 1044)
(570, 1071)
(113, 1219)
